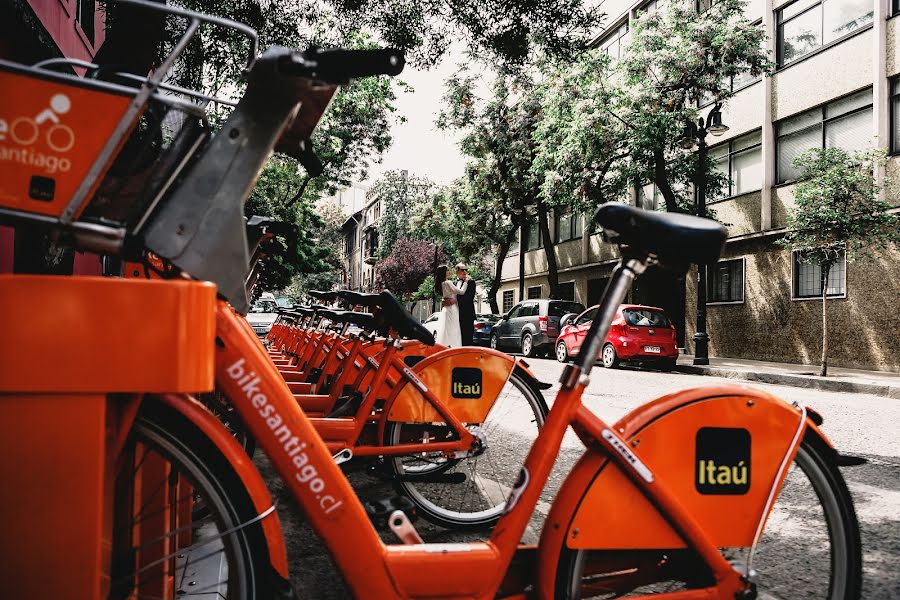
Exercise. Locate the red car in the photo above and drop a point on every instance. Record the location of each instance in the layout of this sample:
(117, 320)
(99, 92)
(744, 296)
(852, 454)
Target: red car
(638, 333)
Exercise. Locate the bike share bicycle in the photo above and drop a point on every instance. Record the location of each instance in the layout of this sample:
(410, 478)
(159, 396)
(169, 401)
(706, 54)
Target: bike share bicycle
(662, 503)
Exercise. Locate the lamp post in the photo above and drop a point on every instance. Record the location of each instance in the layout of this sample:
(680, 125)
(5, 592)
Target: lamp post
(695, 135)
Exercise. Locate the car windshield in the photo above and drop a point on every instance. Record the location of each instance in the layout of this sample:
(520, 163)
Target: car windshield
(284, 302)
(263, 306)
(645, 318)
(559, 309)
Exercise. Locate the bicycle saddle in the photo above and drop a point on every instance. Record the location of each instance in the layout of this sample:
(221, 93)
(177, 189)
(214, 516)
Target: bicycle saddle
(302, 311)
(676, 239)
(364, 320)
(393, 314)
(358, 298)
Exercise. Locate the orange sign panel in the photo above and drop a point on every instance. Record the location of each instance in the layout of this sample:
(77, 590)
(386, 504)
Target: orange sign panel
(51, 132)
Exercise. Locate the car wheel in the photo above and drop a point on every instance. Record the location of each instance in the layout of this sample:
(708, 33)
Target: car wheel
(527, 345)
(494, 341)
(609, 356)
(562, 353)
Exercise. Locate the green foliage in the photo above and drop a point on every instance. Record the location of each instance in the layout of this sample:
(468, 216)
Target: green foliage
(400, 194)
(410, 263)
(837, 209)
(425, 291)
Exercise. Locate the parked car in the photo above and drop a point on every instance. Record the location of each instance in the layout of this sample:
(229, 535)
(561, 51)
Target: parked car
(639, 333)
(531, 327)
(264, 311)
(484, 324)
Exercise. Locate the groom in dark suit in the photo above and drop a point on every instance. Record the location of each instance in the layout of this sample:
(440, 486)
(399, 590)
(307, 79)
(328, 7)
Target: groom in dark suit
(466, 303)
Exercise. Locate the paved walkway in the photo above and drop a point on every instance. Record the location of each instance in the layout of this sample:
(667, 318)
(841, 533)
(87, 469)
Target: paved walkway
(881, 383)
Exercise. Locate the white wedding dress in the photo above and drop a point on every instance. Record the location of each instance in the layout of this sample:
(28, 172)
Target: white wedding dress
(448, 331)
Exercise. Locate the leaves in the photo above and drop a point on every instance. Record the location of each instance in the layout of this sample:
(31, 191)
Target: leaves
(408, 265)
(837, 207)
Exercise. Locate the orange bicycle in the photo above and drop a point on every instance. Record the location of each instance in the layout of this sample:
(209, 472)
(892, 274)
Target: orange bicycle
(706, 493)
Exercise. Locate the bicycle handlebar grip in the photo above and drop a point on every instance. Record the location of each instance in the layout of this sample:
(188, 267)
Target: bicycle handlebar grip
(339, 66)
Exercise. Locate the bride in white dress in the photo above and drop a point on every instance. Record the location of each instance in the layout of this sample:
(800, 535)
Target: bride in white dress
(448, 331)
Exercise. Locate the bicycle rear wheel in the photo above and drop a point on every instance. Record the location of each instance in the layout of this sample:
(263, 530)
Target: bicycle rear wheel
(470, 493)
(810, 548)
(179, 512)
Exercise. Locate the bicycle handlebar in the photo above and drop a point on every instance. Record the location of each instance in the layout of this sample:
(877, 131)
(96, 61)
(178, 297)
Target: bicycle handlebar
(338, 66)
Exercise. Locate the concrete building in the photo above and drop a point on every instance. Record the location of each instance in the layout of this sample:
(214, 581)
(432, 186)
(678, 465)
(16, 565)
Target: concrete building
(360, 232)
(837, 83)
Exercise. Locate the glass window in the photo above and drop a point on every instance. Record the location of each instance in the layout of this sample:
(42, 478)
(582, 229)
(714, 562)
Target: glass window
(807, 25)
(507, 300)
(725, 281)
(649, 197)
(845, 123)
(587, 317)
(808, 279)
(645, 318)
(740, 160)
(895, 114)
(533, 241)
(616, 41)
(85, 11)
(534, 292)
(568, 226)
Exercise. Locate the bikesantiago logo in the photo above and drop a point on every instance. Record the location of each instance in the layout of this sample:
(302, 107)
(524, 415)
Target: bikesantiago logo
(45, 129)
(722, 461)
(465, 382)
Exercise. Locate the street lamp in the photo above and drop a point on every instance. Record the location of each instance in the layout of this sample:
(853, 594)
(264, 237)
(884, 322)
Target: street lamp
(695, 134)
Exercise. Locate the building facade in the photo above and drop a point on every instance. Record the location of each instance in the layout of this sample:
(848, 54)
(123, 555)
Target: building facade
(360, 232)
(836, 83)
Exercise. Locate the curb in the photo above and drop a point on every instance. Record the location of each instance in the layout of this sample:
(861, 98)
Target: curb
(818, 383)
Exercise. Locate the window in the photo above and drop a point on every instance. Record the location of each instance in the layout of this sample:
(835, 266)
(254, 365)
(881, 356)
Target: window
(808, 278)
(805, 25)
(561, 309)
(740, 160)
(725, 281)
(645, 318)
(845, 123)
(534, 240)
(615, 41)
(895, 114)
(530, 310)
(568, 226)
(507, 300)
(703, 5)
(649, 197)
(534, 292)
(587, 317)
(567, 291)
(85, 13)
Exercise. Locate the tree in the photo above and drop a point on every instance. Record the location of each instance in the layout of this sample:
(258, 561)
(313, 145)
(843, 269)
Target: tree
(407, 266)
(400, 194)
(498, 138)
(675, 60)
(837, 212)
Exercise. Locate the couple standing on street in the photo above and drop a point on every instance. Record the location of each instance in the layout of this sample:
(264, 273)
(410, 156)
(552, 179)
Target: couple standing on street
(456, 323)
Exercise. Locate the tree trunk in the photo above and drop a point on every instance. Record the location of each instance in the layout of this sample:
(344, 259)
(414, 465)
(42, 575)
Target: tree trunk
(825, 270)
(662, 182)
(299, 194)
(549, 250)
(498, 271)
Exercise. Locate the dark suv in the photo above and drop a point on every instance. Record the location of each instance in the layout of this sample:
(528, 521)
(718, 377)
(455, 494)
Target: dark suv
(532, 326)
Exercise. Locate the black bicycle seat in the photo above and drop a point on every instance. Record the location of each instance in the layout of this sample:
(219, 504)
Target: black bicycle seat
(358, 298)
(675, 239)
(303, 311)
(319, 307)
(393, 314)
(363, 320)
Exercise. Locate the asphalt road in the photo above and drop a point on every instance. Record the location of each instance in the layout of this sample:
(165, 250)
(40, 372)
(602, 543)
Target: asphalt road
(863, 425)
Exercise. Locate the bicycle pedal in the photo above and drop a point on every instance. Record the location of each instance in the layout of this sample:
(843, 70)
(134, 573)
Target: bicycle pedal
(380, 510)
(403, 528)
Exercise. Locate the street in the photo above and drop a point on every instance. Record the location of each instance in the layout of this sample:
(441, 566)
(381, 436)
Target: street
(858, 424)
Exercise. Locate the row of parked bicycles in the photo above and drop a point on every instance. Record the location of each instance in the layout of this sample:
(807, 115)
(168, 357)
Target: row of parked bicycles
(134, 401)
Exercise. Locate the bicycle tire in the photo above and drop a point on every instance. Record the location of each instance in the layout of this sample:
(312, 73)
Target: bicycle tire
(788, 542)
(443, 502)
(195, 566)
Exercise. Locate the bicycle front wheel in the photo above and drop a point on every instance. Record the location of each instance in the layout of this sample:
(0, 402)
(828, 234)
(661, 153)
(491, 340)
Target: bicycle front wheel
(470, 493)
(810, 548)
(184, 524)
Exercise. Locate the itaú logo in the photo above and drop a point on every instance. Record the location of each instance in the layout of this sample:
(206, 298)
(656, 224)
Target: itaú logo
(306, 473)
(465, 382)
(722, 461)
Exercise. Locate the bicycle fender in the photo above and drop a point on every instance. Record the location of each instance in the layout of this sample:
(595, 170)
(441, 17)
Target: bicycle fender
(524, 371)
(720, 450)
(468, 380)
(243, 466)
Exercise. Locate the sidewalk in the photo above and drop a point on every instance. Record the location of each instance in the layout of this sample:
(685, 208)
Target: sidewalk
(879, 383)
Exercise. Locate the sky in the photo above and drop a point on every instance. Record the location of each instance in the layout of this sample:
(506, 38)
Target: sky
(419, 146)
